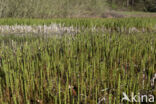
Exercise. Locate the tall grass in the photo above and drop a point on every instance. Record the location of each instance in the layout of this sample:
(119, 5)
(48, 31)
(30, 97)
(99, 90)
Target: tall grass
(119, 25)
(87, 68)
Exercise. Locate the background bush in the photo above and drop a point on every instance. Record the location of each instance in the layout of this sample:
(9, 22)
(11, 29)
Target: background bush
(50, 8)
(70, 8)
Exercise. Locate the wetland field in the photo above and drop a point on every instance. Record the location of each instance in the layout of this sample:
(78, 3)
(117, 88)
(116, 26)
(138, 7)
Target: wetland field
(78, 61)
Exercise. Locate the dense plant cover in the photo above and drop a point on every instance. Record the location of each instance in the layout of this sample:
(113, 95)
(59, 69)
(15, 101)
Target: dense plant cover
(86, 22)
(36, 69)
(92, 66)
(69, 8)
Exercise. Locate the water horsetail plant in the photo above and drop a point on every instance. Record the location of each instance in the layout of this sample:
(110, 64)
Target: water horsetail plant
(119, 25)
(90, 67)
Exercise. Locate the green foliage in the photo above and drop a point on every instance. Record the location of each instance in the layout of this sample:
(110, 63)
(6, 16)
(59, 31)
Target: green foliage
(69, 8)
(50, 8)
(141, 5)
(110, 24)
(41, 70)
(72, 69)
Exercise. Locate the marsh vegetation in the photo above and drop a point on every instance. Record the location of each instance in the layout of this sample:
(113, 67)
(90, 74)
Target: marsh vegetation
(91, 66)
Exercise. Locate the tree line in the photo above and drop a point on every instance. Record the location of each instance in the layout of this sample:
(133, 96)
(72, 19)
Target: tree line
(143, 5)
